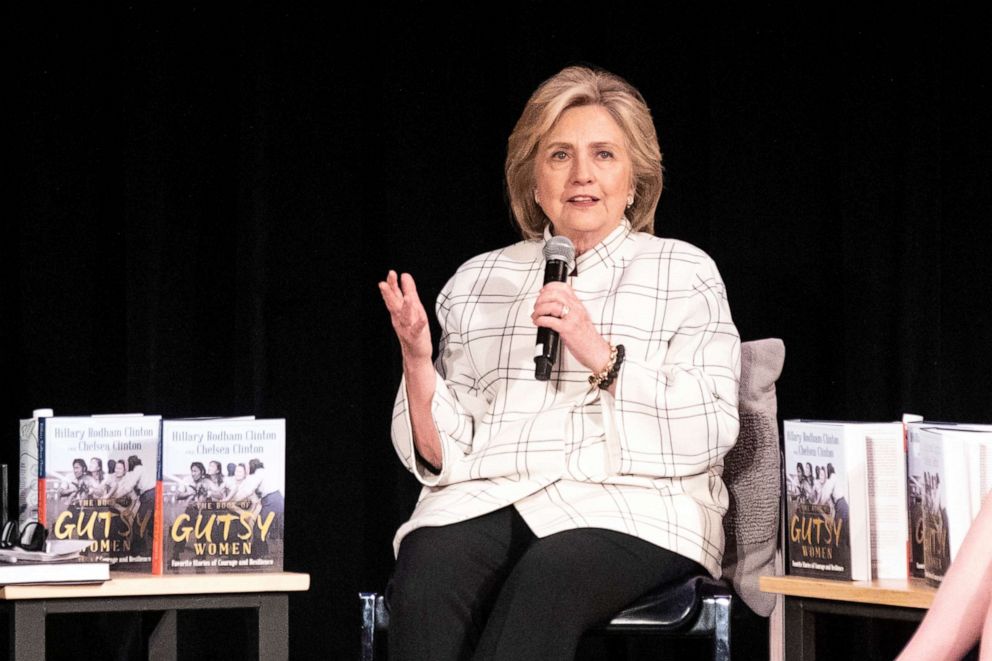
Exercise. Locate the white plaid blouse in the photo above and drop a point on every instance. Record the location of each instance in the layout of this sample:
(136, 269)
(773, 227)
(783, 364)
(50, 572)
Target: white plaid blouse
(647, 462)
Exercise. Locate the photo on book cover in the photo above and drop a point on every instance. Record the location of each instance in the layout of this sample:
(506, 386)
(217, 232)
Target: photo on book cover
(936, 538)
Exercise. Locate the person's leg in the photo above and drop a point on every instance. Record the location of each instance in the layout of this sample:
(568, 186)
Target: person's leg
(961, 606)
(986, 653)
(445, 581)
(568, 582)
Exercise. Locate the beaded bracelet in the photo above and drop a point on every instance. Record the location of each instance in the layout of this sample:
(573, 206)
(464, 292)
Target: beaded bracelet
(609, 373)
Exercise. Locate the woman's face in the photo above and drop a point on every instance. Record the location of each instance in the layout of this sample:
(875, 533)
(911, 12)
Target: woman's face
(196, 472)
(214, 468)
(95, 466)
(239, 473)
(119, 469)
(583, 175)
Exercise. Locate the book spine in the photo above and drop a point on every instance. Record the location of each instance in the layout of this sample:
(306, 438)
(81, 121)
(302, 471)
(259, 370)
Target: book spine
(158, 541)
(42, 490)
(4, 497)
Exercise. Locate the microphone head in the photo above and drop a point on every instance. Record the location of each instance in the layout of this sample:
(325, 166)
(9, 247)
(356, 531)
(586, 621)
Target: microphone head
(561, 249)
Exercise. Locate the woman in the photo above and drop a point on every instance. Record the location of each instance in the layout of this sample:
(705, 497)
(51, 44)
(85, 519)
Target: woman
(803, 486)
(113, 479)
(216, 474)
(78, 488)
(121, 503)
(240, 489)
(549, 505)
(96, 469)
(832, 493)
(195, 488)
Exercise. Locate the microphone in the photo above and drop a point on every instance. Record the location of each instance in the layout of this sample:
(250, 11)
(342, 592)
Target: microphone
(560, 255)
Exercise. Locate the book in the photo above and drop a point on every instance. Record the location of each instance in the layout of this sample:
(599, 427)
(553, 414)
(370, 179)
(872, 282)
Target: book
(950, 455)
(54, 572)
(845, 499)
(55, 551)
(27, 477)
(223, 490)
(96, 480)
(917, 478)
(4, 504)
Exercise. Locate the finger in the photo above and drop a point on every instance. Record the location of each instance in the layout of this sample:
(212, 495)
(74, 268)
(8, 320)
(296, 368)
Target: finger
(393, 281)
(390, 297)
(560, 288)
(389, 286)
(549, 309)
(409, 286)
(554, 299)
(565, 296)
(411, 299)
(554, 323)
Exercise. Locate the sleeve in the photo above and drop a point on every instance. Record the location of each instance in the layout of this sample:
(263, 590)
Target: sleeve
(675, 412)
(457, 402)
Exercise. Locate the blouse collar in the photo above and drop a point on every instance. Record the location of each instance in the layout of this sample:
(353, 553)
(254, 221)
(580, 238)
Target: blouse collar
(603, 252)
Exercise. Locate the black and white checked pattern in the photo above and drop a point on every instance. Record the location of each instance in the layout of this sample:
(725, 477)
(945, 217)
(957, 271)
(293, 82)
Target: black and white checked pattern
(647, 462)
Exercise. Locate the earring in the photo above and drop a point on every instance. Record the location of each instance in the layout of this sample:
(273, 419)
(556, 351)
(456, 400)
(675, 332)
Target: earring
(630, 201)
(537, 200)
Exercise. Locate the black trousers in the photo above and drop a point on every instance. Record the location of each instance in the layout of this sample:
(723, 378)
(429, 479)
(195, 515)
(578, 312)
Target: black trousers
(489, 589)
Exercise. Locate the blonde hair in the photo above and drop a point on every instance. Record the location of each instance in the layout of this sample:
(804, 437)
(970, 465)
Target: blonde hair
(570, 88)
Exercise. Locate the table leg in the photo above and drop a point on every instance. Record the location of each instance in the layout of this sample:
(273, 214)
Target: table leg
(800, 631)
(273, 627)
(27, 630)
(162, 640)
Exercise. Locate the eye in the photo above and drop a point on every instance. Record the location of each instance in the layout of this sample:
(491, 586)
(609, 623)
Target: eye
(604, 154)
(559, 155)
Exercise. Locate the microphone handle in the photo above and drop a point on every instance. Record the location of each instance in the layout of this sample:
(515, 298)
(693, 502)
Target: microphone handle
(546, 348)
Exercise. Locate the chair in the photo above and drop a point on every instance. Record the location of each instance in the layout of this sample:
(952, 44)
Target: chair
(702, 606)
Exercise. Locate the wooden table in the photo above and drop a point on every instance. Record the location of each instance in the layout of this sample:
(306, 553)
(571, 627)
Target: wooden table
(806, 597)
(266, 592)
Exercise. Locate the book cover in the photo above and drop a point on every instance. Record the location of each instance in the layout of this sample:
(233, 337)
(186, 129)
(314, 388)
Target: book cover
(827, 521)
(972, 464)
(223, 495)
(96, 481)
(914, 495)
(938, 464)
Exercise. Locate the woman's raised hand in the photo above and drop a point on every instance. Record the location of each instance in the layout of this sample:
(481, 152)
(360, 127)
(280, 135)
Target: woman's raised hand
(407, 315)
(410, 323)
(558, 308)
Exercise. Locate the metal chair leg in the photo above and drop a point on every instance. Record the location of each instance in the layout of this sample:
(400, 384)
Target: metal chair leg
(721, 633)
(368, 625)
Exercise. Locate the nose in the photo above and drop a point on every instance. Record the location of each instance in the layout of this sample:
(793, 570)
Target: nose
(581, 169)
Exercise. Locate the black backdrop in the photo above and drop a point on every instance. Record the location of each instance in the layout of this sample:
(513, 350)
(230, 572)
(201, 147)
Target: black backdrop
(205, 199)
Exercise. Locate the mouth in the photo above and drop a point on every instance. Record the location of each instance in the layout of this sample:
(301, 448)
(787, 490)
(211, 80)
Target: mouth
(583, 199)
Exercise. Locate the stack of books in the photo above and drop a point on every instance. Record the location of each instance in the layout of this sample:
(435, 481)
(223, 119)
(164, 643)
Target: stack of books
(871, 500)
